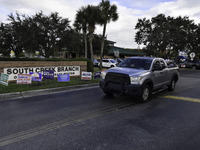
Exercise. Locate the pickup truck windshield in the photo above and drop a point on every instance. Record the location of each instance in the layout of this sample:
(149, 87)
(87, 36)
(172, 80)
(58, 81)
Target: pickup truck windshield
(142, 64)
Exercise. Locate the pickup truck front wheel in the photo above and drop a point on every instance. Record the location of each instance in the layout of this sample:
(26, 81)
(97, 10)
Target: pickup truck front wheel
(146, 93)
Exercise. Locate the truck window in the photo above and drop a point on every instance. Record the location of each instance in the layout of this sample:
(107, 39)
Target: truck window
(136, 63)
(162, 63)
(156, 64)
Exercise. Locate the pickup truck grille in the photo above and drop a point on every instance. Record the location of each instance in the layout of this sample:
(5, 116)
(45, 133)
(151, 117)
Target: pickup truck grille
(117, 78)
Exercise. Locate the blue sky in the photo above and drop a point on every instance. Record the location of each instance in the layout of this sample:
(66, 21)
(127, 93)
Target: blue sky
(129, 11)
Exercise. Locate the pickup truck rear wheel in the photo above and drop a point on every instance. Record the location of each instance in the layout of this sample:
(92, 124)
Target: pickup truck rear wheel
(146, 93)
(172, 85)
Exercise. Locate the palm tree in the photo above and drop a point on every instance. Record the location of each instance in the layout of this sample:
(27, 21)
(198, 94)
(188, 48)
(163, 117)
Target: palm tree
(81, 24)
(108, 13)
(92, 19)
(86, 19)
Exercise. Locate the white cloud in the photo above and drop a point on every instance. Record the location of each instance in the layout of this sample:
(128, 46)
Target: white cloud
(177, 8)
(65, 8)
(121, 31)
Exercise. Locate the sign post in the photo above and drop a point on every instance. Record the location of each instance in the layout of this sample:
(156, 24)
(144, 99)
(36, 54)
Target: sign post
(192, 55)
(116, 53)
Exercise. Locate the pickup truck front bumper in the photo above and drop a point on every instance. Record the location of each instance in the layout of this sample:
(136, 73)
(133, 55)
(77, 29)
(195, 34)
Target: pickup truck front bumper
(129, 89)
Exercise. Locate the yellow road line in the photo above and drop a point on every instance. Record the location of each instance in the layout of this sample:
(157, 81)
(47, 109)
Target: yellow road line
(183, 98)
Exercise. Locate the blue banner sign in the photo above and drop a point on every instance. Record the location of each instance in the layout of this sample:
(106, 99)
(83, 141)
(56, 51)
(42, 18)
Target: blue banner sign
(63, 78)
(36, 76)
(97, 75)
(48, 74)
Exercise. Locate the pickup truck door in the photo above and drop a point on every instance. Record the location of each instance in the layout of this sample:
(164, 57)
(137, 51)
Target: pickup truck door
(166, 76)
(158, 75)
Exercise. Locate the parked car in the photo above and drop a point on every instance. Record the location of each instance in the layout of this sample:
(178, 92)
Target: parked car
(118, 60)
(170, 63)
(194, 64)
(95, 62)
(139, 76)
(107, 63)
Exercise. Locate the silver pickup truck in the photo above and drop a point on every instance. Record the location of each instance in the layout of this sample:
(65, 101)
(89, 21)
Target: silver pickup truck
(139, 76)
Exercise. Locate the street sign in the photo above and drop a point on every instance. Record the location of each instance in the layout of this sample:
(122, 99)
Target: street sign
(116, 53)
(192, 55)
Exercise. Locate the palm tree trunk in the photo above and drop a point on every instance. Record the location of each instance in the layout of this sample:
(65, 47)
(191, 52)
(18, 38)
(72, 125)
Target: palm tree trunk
(102, 45)
(91, 46)
(85, 39)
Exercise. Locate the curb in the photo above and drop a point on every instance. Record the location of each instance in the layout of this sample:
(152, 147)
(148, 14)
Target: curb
(25, 94)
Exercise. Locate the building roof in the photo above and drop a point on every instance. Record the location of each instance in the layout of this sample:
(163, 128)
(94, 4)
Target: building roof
(126, 52)
(110, 42)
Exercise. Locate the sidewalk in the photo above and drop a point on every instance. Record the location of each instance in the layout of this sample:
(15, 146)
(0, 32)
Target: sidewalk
(17, 95)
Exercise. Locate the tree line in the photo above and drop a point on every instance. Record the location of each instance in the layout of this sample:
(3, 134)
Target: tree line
(167, 36)
(40, 32)
(50, 33)
(163, 36)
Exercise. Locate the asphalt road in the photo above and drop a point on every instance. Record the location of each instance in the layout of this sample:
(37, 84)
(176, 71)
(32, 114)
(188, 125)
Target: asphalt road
(85, 119)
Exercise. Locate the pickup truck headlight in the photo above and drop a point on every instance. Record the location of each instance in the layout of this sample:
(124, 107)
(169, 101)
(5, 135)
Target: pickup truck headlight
(103, 75)
(135, 80)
